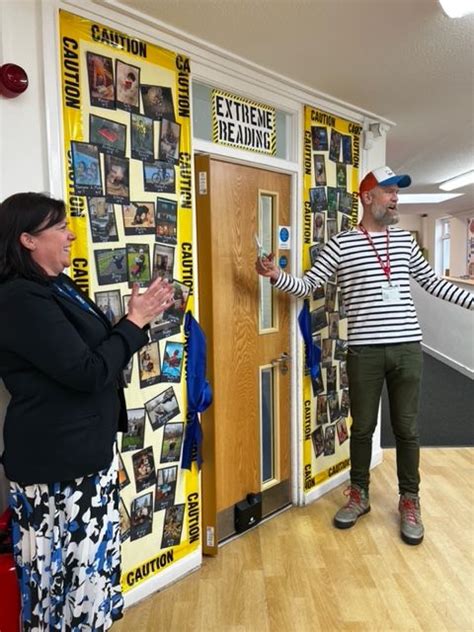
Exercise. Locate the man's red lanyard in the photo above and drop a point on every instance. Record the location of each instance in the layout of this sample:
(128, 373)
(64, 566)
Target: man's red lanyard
(384, 265)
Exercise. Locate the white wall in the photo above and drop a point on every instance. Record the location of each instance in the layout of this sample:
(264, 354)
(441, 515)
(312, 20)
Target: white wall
(23, 153)
(448, 330)
(458, 254)
(23, 157)
(412, 222)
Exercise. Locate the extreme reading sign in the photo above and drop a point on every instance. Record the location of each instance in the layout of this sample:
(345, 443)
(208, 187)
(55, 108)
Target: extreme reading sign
(242, 123)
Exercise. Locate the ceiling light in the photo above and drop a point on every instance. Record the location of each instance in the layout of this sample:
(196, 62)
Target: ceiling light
(457, 8)
(458, 182)
(425, 198)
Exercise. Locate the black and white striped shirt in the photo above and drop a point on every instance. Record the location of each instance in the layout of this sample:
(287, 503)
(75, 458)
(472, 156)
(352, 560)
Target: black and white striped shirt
(360, 277)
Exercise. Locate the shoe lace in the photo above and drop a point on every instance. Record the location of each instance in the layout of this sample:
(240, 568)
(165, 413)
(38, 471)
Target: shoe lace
(354, 496)
(410, 510)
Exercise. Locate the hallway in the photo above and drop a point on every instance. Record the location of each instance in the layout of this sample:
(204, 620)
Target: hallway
(445, 417)
(297, 574)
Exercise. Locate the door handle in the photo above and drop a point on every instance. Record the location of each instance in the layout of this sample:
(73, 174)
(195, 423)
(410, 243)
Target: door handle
(282, 362)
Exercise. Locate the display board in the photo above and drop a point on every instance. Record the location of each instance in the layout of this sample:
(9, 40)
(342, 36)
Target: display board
(331, 177)
(242, 123)
(128, 189)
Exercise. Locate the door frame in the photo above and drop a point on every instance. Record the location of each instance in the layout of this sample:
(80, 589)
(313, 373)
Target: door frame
(294, 171)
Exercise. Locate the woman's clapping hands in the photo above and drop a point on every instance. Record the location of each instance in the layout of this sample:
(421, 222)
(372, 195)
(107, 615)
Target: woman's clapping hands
(145, 307)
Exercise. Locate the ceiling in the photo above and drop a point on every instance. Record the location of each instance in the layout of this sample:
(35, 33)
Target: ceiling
(404, 60)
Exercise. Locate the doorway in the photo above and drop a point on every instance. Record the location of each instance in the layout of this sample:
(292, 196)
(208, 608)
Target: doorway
(246, 445)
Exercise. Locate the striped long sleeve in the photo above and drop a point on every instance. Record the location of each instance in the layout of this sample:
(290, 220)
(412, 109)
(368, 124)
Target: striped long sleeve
(371, 320)
(324, 268)
(425, 276)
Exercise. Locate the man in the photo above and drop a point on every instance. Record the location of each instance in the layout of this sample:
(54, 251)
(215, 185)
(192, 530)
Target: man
(373, 264)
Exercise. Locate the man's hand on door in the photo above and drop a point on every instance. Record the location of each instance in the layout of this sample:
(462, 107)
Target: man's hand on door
(266, 266)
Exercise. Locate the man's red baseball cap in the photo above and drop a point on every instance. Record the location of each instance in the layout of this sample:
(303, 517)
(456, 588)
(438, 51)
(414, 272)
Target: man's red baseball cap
(384, 177)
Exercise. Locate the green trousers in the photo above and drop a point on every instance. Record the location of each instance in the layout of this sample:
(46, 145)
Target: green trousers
(368, 366)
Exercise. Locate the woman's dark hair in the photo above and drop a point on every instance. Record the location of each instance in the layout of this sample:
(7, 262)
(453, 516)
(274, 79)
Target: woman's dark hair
(25, 213)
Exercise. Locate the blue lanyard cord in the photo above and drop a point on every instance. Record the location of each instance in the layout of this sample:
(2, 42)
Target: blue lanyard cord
(68, 290)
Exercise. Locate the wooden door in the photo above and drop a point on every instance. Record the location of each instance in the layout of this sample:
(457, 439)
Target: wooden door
(246, 321)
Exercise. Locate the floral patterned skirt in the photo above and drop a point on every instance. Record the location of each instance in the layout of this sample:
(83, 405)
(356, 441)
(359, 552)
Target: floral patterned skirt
(66, 541)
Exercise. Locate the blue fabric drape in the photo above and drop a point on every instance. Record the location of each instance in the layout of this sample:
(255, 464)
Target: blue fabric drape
(312, 351)
(198, 390)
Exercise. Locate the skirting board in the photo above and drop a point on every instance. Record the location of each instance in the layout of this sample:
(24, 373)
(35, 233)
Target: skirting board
(465, 370)
(338, 479)
(167, 577)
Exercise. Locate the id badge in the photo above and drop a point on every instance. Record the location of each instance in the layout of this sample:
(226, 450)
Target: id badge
(390, 293)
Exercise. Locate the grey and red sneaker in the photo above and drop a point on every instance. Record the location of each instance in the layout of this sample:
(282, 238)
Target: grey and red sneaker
(411, 526)
(357, 505)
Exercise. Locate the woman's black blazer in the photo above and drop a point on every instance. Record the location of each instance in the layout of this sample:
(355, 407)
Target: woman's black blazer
(63, 368)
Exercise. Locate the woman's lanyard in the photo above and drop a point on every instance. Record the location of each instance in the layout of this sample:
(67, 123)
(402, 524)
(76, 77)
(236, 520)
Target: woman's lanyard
(384, 265)
(68, 290)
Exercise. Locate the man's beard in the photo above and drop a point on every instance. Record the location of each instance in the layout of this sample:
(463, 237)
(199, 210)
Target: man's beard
(385, 217)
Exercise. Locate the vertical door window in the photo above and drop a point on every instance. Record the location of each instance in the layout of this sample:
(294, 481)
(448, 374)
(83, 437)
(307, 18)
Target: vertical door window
(268, 425)
(266, 230)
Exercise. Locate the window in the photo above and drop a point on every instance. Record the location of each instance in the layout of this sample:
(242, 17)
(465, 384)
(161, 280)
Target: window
(445, 245)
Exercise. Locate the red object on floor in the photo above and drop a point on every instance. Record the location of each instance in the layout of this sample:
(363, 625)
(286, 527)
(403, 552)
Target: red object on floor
(9, 591)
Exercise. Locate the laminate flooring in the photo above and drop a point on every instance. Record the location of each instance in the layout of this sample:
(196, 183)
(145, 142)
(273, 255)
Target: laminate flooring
(296, 573)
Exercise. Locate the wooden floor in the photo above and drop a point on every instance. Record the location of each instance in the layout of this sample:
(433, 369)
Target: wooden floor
(297, 573)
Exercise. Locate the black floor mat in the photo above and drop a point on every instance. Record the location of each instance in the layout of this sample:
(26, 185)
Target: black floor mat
(446, 415)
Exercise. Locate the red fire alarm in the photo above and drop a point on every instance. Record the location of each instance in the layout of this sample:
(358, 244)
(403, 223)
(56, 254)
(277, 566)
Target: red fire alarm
(13, 80)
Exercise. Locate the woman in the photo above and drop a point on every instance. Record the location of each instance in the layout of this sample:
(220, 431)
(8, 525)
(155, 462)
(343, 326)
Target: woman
(62, 361)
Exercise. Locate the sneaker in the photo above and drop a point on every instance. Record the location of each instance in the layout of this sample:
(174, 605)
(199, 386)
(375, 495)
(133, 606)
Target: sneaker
(411, 527)
(357, 505)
